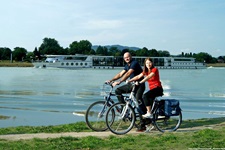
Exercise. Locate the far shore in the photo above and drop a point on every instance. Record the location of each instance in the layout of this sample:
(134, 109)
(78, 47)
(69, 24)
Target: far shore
(16, 64)
(27, 64)
(216, 65)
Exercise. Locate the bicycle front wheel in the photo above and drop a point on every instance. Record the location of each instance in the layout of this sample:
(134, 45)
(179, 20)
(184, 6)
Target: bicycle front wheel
(167, 123)
(95, 116)
(123, 120)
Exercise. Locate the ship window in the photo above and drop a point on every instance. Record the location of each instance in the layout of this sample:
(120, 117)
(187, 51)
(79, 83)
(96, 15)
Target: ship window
(72, 64)
(81, 64)
(62, 64)
(67, 64)
(85, 64)
(76, 64)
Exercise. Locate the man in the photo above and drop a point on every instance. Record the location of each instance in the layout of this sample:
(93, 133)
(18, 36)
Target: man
(131, 69)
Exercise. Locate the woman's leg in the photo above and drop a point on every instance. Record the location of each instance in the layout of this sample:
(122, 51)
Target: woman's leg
(148, 100)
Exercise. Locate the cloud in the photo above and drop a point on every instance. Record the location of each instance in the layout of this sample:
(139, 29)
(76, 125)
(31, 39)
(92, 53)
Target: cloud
(103, 24)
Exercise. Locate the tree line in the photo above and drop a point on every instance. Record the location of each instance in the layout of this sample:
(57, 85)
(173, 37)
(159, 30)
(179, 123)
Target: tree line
(50, 46)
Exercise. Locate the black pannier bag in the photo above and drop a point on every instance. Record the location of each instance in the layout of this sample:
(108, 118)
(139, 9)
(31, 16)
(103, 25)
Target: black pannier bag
(161, 111)
(172, 107)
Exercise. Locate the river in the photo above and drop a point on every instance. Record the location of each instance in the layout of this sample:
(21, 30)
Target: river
(34, 97)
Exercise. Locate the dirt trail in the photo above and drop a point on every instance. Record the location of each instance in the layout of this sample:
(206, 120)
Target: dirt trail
(14, 137)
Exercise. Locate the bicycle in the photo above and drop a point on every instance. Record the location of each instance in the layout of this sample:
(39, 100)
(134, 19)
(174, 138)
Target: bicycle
(125, 120)
(95, 114)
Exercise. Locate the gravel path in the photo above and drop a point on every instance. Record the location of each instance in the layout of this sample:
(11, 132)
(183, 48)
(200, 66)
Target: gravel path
(14, 137)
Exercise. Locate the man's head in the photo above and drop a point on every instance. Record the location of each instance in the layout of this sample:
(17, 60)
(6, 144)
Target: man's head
(127, 57)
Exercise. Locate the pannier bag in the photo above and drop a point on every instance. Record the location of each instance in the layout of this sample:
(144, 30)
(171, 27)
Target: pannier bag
(172, 107)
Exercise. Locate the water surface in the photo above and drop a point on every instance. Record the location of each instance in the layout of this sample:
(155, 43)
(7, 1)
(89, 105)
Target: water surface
(31, 96)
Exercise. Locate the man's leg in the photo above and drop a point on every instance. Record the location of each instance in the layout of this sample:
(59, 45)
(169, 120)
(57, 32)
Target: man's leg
(122, 89)
(139, 94)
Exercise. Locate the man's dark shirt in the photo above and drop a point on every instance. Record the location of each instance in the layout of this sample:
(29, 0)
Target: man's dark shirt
(136, 67)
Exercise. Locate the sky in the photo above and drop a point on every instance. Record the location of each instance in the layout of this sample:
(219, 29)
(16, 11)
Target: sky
(174, 25)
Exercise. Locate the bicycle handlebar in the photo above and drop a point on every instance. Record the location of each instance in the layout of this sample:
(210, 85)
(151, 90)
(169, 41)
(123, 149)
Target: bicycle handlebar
(109, 83)
(133, 83)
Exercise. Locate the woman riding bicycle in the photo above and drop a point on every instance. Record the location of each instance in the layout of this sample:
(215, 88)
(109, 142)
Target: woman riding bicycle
(151, 74)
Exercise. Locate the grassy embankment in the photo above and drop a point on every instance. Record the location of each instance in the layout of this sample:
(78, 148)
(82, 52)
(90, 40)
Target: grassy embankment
(6, 63)
(216, 65)
(206, 138)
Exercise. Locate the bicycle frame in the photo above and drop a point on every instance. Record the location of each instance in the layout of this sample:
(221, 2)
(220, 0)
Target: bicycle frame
(95, 113)
(131, 100)
(108, 102)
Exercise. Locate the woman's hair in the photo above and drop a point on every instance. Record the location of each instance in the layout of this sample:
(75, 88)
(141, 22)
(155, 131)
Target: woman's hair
(145, 68)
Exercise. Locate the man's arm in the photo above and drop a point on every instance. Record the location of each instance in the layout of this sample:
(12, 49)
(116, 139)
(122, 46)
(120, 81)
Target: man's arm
(117, 76)
(124, 76)
(137, 77)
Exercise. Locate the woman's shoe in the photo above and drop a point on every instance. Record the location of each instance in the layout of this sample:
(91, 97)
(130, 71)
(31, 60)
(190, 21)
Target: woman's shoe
(147, 115)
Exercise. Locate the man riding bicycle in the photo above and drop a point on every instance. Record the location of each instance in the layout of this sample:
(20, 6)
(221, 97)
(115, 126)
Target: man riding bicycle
(131, 69)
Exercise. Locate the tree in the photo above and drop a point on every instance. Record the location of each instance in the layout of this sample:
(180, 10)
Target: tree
(51, 46)
(82, 47)
(113, 51)
(153, 53)
(19, 53)
(92, 52)
(5, 53)
(203, 57)
(37, 54)
(132, 52)
(163, 53)
(142, 52)
(221, 59)
(85, 46)
(74, 48)
(29, 56)
(102, 51)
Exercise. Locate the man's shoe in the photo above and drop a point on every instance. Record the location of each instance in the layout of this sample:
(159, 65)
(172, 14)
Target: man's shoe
(147, 115)
(141, 129)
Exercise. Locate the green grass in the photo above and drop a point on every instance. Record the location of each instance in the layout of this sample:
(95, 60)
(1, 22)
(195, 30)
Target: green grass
(205, 138)
(76, 127)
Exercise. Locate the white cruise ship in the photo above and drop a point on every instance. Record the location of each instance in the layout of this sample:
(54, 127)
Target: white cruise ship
(112, 62)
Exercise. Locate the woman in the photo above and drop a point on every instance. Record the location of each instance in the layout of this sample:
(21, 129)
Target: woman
(150, 74)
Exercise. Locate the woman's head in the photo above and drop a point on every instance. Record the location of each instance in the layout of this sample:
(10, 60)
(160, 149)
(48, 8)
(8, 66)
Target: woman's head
(148, 64)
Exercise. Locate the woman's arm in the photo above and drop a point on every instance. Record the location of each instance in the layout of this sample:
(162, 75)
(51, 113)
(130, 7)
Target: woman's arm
(147, 77)
(136, 77)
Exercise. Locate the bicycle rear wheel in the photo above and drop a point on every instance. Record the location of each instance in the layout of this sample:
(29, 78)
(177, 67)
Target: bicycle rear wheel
(95, 116)
(166, 123)
(120, 125)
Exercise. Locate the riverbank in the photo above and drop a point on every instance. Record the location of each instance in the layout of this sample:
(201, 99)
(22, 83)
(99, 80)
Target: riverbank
(15, 64)
(193, 134)
(216, 65)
